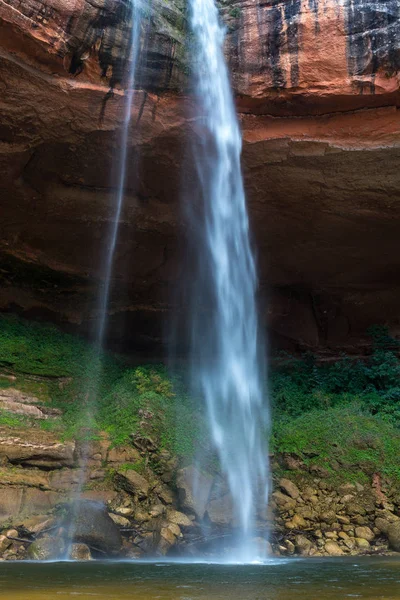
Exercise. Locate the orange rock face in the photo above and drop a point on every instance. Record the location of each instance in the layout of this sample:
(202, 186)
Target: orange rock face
(317, 87)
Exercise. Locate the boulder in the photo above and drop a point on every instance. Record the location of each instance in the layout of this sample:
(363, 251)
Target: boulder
(220, 510)
(289, 488)
(133, 483)
(303, 545)
(333, 549)
(296, 522)
(80, 552)
(157, 510)
(179, 518)
(283, 501)
(49, 548)
(194, 489)
(343, 519)
(165, 494)
(382, 524)
(365, 533)
(362, 543)
(89, 523)
(119, 520)
(328, 516)
(393, 533)
(5, 543)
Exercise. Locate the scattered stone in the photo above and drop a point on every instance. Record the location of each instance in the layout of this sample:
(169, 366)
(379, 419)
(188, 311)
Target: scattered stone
(343, 519)
(118, 520)
(364, 533)
(297, 522)
(328, 516)
(289, 488)
(5, 543)
(157, 510)
(179, 518)
(290, 547)
(133, 483)
(165, 494)
(333, 549)
(124, 511)
(284, 501)
(346, 488)
(354, 508)
(362, 543)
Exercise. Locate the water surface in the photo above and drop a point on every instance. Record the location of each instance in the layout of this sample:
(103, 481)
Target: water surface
(324, 579)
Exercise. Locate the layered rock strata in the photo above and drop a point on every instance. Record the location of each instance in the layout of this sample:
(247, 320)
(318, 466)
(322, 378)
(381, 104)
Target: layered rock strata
(318, 90)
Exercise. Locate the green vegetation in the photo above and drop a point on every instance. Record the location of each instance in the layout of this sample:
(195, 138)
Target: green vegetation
(235, 12)
(343, 414)
(96, 393)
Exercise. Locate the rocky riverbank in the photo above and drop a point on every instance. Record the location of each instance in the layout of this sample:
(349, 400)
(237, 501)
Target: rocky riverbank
(139, 501)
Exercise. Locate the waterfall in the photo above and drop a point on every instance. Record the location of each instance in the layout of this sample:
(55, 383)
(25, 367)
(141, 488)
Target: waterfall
(225, 346)
(94, 370)
(104, 295)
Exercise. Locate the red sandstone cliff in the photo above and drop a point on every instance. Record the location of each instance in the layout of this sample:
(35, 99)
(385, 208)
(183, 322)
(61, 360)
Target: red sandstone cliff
(317, 86)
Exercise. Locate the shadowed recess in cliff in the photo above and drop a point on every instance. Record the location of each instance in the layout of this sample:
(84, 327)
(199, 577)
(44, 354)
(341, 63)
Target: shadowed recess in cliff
(373, 38)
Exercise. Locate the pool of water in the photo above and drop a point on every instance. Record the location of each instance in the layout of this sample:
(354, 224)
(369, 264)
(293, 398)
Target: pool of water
(311, 579)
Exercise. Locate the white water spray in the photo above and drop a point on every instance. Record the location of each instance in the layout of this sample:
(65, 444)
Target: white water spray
(225, 341)
(95, 367)
(122, 170)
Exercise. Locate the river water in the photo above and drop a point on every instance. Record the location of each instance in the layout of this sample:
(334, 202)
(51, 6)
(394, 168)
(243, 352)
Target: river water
(295, 579)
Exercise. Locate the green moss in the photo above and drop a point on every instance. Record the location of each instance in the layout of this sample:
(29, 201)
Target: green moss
(347, 411)
(96, 392)
(8, 419)
(358, 441)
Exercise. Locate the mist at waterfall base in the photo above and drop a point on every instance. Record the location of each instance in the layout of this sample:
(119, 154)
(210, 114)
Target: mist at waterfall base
(225, 346)
(134, 12)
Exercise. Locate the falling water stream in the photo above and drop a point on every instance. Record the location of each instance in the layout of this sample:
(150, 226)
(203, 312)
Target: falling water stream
(225, 340)
(134, 13)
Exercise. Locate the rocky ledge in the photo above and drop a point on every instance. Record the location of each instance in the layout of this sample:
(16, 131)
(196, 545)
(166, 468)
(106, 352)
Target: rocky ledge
(138, 501)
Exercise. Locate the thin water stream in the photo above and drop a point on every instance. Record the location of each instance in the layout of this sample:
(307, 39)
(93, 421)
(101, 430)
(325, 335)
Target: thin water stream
(134, 11)
(225, 345)
(361, 578)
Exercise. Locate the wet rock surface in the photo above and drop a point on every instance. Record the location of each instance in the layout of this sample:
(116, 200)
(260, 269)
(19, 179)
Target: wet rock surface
(127, 510)
(89, 523)
(321, 132)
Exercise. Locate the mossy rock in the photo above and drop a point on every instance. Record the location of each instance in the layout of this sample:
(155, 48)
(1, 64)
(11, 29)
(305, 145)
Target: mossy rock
(49, 548)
